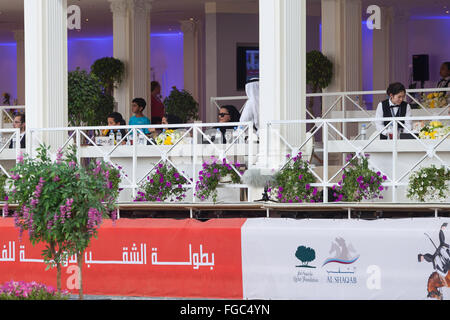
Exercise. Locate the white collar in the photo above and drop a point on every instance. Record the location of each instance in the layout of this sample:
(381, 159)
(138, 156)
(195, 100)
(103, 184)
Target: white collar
(392, 104)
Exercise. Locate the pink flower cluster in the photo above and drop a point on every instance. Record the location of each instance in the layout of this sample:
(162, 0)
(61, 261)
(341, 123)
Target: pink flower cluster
(23, 290)
(94, 219)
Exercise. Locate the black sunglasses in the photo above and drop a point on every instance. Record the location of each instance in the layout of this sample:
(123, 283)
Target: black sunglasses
(223, 114)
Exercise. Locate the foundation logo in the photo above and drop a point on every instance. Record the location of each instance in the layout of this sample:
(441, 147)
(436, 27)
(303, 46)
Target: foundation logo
(305, 255)
(340, 267)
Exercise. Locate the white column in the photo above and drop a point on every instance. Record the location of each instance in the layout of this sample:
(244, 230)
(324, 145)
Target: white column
(140, 51)
(46, 65)
(119, 8)
(399, 47)
(210, 59)
(20, 45)
(282, 65)
(382, 53)
(341, 43)
(190, 56)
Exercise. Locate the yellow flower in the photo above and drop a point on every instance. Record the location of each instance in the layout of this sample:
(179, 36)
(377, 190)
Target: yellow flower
(432, 104)
(436, 94)
(168, 140)
(430, 96)
(169, 131)
(435, 123)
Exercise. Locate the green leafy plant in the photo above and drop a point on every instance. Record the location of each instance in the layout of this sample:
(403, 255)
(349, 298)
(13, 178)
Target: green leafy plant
(3, 179)
(359, 181)
(84, 92)
(181, 104)
(20, 290)
(62, 203)
(165, 183)
(110, 72)
(429, 184)
(209, 178)
(319, 73)
(293, 182)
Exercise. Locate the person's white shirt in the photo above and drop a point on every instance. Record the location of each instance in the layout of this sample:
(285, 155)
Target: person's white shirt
(250, 111)
(380, 123)
(443, 82)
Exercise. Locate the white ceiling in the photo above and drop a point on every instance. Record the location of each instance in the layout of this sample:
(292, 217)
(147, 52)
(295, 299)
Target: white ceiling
(166, 14)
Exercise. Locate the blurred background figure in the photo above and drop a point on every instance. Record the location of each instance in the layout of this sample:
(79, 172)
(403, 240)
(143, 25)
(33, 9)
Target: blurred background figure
(157, 107)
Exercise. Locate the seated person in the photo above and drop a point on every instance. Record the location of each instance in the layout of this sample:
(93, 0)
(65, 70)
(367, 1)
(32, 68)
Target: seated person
(157, 107)
(176, 132)
(228, 113)
(19, 123)
(395, 106)
(137, 107)
(115, 119)
(250, 112)
(445, 74)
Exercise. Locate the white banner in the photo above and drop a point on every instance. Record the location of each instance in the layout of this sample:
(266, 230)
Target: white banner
(346, 259)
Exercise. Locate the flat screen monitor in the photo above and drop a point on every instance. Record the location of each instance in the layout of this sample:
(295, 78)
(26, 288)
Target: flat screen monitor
(247, 65)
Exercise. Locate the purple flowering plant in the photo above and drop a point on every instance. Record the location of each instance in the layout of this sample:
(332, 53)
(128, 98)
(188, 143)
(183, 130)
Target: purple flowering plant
(292, 184)
(164, 183)
(359, 182)
(210, 175)
(20, 290)
(3, 179)
(61, 203)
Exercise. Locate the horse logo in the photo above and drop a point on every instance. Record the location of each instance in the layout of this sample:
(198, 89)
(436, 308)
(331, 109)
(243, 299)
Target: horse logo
(441, 265)
(342, 252)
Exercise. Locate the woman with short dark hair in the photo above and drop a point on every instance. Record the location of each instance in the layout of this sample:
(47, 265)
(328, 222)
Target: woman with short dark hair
(394, 106)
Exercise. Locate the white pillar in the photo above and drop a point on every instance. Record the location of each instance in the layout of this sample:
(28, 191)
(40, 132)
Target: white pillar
(282, 46)
(210, 59)
(190, 57)
(20, 47)
(46, 65)
(131, 33)
(399, 47)
(140, 51)
(382, 53)
(119, 8)
(341, 43)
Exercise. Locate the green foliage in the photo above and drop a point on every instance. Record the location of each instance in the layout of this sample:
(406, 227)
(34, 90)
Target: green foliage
(84, 92)
(61, 203)
(105, 107)
(3, 179)
(429, 184)
(293, 182)
(305, 255)
(319, 70)
(181, 104)
(165, 183)
(209, 178)
(359, 182)
(110, 72)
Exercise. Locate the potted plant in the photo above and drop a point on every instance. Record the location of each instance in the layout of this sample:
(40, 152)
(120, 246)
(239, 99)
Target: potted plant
(181, 104)
(62, 203)
(165, 183)
(319, 73)
(359, 181)
(87, 103)
(110, 72)
(293, 182)
(211, 174)
(429, 184)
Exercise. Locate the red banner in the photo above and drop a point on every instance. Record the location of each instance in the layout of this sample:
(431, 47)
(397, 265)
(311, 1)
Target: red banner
(140, 257)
